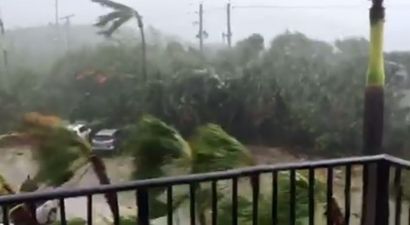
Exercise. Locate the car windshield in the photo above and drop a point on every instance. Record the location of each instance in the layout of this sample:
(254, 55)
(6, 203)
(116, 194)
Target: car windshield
(103, 138)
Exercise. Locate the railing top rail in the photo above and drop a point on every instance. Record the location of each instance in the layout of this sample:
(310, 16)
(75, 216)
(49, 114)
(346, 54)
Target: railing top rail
(397, 161)
(195, 178)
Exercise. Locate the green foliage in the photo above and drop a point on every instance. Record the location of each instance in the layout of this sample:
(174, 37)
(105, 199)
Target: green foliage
(158, 149)
(295, 92)
(213, 149)
(115, 19)
(75, 221)
(4, 186)
(57, 154)
(216, 150)
(58, 151)
(265, 203)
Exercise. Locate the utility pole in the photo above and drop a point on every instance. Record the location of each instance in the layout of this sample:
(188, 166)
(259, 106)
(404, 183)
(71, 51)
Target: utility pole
(229, 28)
(201, 28)
(67, 25)
(56, 5)
(3, 47)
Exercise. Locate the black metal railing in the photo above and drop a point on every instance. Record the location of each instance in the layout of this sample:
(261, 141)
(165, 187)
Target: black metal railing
(377, 192)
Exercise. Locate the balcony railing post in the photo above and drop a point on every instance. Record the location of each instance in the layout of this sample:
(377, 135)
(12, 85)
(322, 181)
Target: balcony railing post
(143, 206)
(376, 194)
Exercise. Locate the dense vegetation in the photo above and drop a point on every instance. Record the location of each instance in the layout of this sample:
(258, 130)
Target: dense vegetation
(157, 150)
(295, 92)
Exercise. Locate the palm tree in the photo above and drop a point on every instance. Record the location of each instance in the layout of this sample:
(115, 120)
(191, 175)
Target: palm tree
(374, 94)
(159, 150)
(115, 19)
(59, 153)
(374, 100)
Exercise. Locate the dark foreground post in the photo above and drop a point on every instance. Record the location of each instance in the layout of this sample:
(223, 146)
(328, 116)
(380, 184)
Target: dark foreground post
(376, 194)
(375, 208)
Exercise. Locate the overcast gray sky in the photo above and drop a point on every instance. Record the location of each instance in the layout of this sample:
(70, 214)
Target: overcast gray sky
(177, 17)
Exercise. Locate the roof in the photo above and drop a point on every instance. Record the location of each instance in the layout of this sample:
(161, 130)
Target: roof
(107, 132)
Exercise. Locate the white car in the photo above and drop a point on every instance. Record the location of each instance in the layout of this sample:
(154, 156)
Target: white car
(80, 129)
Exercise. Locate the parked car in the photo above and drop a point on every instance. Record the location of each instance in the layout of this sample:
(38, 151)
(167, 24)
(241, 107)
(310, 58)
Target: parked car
(81, 129)
(106, 140)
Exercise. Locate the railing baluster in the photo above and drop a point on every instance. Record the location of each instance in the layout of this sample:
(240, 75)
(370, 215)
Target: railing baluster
(292, 211)
(255, 198)
(6, 220)
(235, 201)
(63, 219)
(192, 196)
(170, 210)
(348, 185)
(376, 212)
(143, 206)
(365, 176)
(329, 207)
(398, 190)
(311, 196)
(275, 198)
(116, 211)
(408, 222)
(32, 209)
(214, 202)
(89, 210)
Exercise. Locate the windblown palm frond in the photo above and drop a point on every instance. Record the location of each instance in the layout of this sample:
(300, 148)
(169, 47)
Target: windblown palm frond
(105, 19)
(5, 188)
(115, 19)
(112, 4)
(214, 150)
(59, 157)
(58, 151)
(114, 26)
(158, 150)
(245, 214)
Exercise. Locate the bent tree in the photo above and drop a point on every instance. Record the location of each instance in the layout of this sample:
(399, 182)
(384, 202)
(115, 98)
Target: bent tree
(59, 153)
(118, 17)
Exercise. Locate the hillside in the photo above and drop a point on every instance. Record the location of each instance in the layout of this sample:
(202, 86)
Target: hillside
(26, 44)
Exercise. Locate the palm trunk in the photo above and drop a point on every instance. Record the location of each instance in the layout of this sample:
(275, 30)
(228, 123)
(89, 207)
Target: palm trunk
(374, 94)
(373, 120)
(23, 215)
(20, 215)
(144, 49)
(101, 173)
